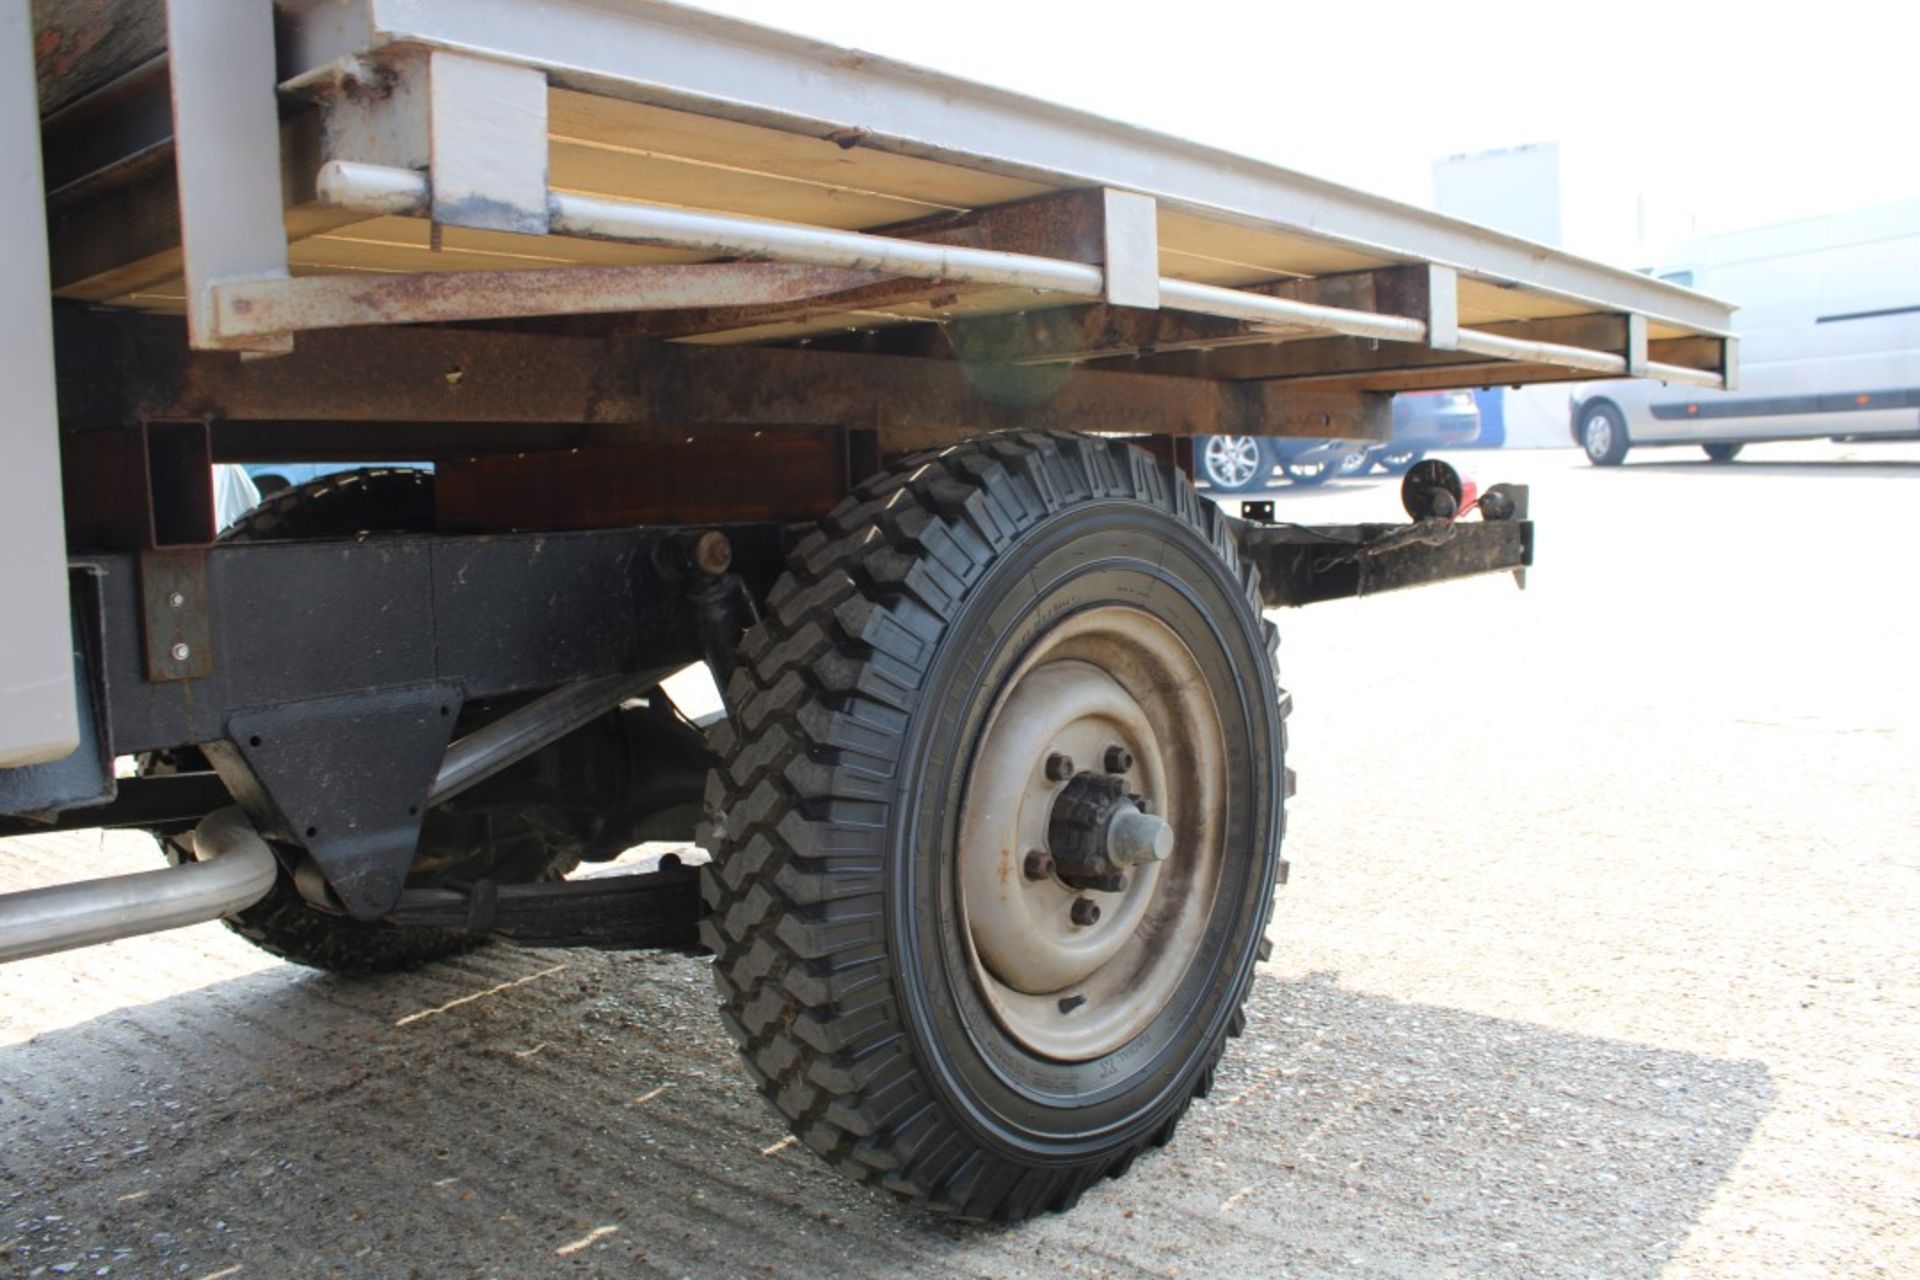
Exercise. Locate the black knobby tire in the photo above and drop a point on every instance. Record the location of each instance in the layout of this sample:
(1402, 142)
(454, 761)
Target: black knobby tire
(370, 500)
(340, 505)
(841, 969)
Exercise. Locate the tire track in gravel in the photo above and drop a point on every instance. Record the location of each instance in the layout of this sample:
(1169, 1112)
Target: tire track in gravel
(545, 1148)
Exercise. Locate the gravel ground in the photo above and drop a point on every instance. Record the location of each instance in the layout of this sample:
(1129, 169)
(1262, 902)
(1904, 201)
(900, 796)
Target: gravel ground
(1599, 960)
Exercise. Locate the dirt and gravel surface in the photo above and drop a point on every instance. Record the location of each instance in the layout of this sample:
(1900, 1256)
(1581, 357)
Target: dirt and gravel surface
(1600, 959)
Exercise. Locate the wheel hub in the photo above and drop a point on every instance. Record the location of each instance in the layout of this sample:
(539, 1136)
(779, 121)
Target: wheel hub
(1086, 892)
(1599, 435)
(1098, 831)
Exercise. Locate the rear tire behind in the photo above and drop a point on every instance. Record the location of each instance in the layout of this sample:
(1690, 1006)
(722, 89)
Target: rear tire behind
(383, 500)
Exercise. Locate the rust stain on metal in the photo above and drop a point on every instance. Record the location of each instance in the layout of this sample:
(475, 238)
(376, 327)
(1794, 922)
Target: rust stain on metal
(332, 302)
(710, 478)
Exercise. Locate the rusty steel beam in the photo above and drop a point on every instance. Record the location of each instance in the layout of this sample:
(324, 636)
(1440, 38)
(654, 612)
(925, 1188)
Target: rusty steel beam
(1699, 356)
(1076, 334)
(879, 296)
(118, 368)
(255, 307)
(137, 488)
(1347, 361)
(769, 474)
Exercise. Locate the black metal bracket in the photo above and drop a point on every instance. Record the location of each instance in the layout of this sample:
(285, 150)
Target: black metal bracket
(165, 803)
(173, 612)
(346, 778)
(612, 913)
(1306, 564)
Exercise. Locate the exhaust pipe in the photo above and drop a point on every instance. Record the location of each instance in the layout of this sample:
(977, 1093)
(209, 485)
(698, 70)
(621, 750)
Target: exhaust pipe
(234, 869)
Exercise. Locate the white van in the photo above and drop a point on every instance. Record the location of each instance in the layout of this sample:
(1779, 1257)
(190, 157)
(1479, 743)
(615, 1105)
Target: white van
(1829, 326)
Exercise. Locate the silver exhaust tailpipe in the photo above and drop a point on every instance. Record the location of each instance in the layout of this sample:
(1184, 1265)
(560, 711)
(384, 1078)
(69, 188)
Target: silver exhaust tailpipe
(234, 870)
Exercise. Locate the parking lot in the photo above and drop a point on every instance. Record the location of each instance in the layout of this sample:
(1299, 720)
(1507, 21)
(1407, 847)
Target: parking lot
(1599, 959)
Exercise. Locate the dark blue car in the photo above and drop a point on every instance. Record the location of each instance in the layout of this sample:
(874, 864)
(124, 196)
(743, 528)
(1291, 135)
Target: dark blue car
(1422, 420)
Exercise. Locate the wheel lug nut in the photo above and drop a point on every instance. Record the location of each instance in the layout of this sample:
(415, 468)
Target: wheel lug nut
(1039, 865)
(1059, 767)
(1119, 759)
(1086, 912)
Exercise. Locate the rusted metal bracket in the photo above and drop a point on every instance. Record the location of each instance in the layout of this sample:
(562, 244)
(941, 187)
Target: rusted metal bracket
(612, 913)
(724, 476)
(1306, 564)
(175, 626)
(141, 487)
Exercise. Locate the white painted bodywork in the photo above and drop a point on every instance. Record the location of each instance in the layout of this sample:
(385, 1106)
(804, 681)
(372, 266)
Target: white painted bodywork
(38, 717)
(1830, 307)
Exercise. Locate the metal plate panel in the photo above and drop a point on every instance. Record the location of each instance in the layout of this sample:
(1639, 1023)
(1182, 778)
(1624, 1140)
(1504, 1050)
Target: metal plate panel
(350, 777)
(83, 776)
(226, 131)
(487, 122)
(173, 615)
(38, 716)
(562, 625)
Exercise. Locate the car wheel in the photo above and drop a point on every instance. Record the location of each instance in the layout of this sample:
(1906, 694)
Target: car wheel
(941, 964)
(1399, 459)
(1722, 452)
(1232, 464)
(1356, 461)
(1309, 474)
(1603, 434)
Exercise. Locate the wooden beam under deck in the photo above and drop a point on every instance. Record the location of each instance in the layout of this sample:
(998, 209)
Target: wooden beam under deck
(632, 389)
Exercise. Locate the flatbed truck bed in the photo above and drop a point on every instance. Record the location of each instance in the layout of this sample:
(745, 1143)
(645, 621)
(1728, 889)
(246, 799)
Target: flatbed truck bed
(870, 389)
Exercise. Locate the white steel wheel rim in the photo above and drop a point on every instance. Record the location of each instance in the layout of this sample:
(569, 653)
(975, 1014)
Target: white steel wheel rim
(1232, 460)
(1112, 676)
(1599, 435)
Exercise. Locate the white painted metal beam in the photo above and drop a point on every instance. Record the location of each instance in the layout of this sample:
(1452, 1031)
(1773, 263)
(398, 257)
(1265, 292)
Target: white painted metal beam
(1130, 225)
(650, 51)
(725, 234)
(39, 718)
(386, 190)
(226, 144)
(487, 127)
(1238, 304)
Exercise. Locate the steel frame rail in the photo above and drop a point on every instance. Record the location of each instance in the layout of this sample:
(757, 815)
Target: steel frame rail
(262, 308)
(483, 75)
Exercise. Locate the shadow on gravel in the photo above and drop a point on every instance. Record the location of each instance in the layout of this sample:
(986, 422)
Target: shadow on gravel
(588, 1117)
